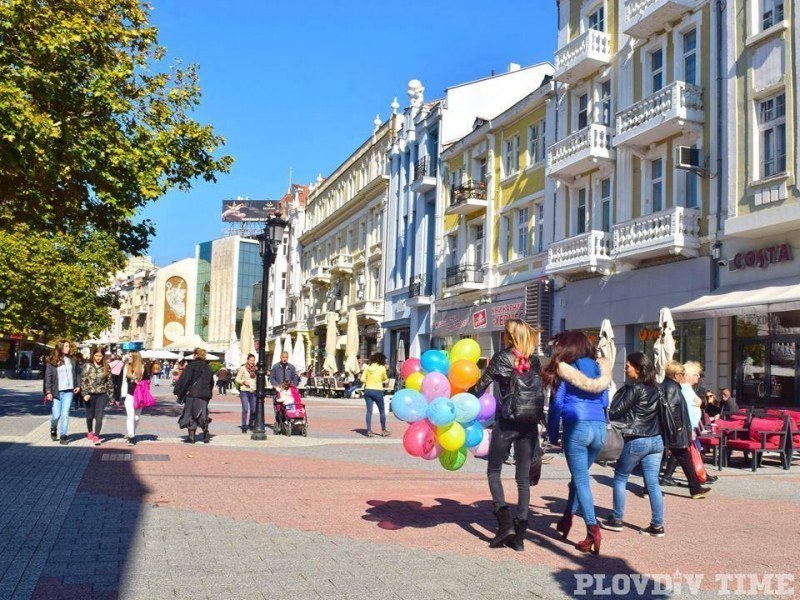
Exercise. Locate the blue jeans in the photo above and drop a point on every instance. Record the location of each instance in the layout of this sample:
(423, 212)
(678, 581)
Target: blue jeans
(61, 405)
(583, 441)
(248, 400)
(375, 397)
(648, 451)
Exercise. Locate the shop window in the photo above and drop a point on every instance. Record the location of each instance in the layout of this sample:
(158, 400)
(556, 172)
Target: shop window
(689, 336)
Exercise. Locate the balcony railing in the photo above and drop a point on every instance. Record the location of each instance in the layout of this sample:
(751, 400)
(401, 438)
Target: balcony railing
(643, 18)
(589, 251)
(674, 231)
(467, 198)
(421, 285)
(424, 167)
(580, 151)
(342, 263)
(465, 273)
(279, 329)
(319, 274)
(661, 115)
(369, 308)
(583, 56)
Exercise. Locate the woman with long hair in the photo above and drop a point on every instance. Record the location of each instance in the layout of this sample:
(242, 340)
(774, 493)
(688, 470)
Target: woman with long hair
(637, 405)
(246, 378)
(516, 370)
(580, 400)
(195, 388)
(135, 371)
(61, 383)
(373, 377)
(97, 386)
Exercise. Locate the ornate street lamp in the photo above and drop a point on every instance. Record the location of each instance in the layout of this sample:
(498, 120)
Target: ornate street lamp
(269, 242)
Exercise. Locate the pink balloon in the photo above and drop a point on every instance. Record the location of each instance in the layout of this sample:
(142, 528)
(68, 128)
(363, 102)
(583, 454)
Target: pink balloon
(482, 449)
(435, 385)
(419, 438)
(488, 406)
(434, 452)
(412, 365)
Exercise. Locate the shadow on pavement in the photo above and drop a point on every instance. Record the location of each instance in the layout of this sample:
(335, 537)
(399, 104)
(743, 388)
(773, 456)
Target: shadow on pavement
(15, 404)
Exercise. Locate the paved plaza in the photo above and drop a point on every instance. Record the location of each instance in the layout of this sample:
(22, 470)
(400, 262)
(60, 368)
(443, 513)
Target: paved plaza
(339, 515)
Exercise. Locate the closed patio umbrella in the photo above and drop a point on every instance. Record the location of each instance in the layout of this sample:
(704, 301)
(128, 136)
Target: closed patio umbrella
(246, 343)
(664, 347)
(287, 346)
(189, 343)
(351, 347)
(330, 346)
(277, 351)
(401, 355)
(233, 357)
(606, 347)
(298, 358)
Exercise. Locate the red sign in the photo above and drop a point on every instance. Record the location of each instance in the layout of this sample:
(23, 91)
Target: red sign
(479, 319)
(762, 258)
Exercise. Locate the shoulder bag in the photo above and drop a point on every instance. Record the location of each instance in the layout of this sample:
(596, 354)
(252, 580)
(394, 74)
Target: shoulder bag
(614, 442)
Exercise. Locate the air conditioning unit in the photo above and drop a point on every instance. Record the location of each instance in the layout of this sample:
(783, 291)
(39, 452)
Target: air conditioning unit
(690, 159)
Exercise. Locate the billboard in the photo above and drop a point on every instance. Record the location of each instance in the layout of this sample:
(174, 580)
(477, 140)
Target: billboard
(240, 211)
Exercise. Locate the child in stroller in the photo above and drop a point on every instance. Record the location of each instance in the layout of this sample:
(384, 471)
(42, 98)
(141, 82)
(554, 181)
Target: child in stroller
(290, 412)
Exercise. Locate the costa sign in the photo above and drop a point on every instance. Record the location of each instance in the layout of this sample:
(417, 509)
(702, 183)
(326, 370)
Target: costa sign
(762, 258)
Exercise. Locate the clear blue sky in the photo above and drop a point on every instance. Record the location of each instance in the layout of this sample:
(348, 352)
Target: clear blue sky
(298, 84)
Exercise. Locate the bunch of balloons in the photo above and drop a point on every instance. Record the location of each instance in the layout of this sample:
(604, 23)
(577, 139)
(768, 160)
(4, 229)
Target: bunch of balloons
(444, 420)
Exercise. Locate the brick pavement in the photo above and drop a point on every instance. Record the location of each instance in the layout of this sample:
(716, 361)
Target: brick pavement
(334, 515)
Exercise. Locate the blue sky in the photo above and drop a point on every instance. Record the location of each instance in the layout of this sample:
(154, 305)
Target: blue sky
(298, 84)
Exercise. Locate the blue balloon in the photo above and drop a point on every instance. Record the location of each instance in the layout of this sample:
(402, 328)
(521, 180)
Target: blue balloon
(441, 412)
(474, 432)
(487, 422)
(435, 360)
(467, 407)
(409, 405)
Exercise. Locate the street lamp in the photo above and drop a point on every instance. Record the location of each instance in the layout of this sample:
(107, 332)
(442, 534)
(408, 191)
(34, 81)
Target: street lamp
(268, 242)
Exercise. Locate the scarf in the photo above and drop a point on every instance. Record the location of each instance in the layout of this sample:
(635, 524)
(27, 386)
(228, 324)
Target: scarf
(522, 363)
(251, 370)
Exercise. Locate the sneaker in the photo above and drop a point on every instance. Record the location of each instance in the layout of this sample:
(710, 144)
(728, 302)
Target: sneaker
(54, 435)
(701, 493)
(63, 440)
(611, 524)
(90, 436)
(669, 482)
(653, 531)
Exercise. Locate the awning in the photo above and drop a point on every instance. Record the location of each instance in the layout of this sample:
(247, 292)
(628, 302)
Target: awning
(760, 297)
(397, 323)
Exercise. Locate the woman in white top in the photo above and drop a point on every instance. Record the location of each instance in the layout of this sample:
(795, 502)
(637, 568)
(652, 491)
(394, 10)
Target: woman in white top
(61, 383)
(135, 371)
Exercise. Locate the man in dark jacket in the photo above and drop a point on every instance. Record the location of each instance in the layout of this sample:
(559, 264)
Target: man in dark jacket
(194, 390)
(678, 432)
(283, 371)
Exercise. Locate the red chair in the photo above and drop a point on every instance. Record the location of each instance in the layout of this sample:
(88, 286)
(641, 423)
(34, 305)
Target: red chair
(716, 439)
(764, 435)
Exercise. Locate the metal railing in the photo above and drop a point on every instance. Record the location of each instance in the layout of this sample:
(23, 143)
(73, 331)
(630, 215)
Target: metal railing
(466, 273)
(424, 167)
(475, 190)
(421, 285)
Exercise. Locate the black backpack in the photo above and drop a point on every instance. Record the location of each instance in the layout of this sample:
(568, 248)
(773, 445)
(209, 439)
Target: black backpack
(525, 398)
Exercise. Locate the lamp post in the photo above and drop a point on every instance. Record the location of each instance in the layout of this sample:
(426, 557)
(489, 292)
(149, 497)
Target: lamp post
(269, 241)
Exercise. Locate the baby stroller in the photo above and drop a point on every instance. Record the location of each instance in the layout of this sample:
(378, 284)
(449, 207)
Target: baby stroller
(290, 413)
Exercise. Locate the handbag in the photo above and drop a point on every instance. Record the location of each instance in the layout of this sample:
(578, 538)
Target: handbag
(697, 464)
(142, 397)
(614, 442)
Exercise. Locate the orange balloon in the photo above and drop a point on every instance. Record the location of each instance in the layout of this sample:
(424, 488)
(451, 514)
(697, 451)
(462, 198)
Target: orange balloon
(464, 374)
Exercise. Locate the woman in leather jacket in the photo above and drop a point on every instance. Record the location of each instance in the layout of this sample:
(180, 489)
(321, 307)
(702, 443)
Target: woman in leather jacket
(516, 370)
(636, 404)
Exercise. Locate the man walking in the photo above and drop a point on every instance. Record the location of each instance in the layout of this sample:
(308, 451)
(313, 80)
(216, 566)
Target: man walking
(282, 372)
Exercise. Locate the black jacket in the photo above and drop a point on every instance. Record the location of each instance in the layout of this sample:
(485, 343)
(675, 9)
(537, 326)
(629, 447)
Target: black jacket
(678, 429)
(529, 387)
(51, 377)
(196, 381)
(636, 405)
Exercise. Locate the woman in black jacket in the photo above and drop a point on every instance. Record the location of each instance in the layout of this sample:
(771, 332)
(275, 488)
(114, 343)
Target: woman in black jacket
(516, 370)
(194, 388)
(636, 404)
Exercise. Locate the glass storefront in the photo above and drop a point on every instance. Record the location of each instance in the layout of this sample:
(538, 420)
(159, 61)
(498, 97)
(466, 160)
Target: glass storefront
(248, 287)
(689, 336)
(203, 290)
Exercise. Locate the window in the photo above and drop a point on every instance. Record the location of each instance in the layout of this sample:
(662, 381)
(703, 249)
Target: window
(285, 246)
(540, 227)
(605, 103)
(505, 238)
(452, 251)
(362, 234)
(771, 13)
(597, 19)
(691, 188)
(690, 56)
(482, 170)
(581, 216)
(283, 316)
(511, 155)
(542, 146)
(508, 156)
(523, 231)
(656, 70)
(477, 248)
(283, 281)
(605, 203)
(657, 183)
(533, 143)
(583, 111)
(772, 126)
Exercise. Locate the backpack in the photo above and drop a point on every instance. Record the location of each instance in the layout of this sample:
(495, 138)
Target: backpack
(525, 398)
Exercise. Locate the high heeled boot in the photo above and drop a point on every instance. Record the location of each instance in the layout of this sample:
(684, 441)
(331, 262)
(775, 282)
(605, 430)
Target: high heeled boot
(518, 541)
(505, 528)
(564, 524)
(592, 541)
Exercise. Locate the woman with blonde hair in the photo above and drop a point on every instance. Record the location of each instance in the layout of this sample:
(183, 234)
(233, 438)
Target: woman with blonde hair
(61, 383)
(516, 370)
(135, 371)
(194, 390)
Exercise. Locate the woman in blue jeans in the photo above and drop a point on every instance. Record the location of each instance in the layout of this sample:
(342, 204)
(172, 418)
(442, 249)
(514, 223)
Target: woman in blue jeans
(636, 404)
(61, 383)
(580, 401)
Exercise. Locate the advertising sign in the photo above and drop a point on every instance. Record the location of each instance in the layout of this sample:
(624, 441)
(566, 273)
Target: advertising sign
(503, 312)
(174, 310)
(131, 346)
(479, 319)
(240, 211)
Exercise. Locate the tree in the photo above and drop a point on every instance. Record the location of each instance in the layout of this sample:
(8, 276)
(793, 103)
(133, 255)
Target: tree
(93, 126)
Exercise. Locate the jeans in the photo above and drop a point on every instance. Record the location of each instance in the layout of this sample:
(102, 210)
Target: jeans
(132, 416)
(62, 401)
(524, 437)
(681, 456)
(583, 441)
(94, 412)
(375, 397)
(648, 452)
(248, 400)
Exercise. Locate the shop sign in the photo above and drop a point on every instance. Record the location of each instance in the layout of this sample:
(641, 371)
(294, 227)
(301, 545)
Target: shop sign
(5, 349)
(479, 319)
(646, 334)
(504, 312)
(762, 257)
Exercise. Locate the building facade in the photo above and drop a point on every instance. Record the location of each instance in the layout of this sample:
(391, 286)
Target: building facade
(175, 302)
(134, 320)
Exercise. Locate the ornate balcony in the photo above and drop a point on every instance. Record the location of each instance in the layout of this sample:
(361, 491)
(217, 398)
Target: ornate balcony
(670, 111)
(467, 198)
(369, 309)
(420, 290)
(584, 253)
(320, 275)
(583, 56)
(320, 319)
(643, 18)
(673, 231)
(341, 264)
(278, 329)
(464, 277)
(580, 152)
(424, 175)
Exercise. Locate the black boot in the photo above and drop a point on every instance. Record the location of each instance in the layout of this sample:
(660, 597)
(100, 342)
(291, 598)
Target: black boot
(669, 471)
(518, 541)
(206, 436)
(190, 439)
(505, 529)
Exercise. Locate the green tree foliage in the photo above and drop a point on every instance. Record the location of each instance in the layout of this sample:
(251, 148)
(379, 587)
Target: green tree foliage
(93, 126)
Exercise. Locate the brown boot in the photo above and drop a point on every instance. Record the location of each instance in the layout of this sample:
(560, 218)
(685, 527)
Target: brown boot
(190, 439)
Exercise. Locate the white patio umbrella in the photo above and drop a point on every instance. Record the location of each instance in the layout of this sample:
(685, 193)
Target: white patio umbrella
(351, 346)
(298, 358)
(277, 351)
(209, 356)
(664, 347)
(330, 346)
(246, 344)
(160, 354)
(189, 343)
(287, 346)
(233, 357)
(606, 347)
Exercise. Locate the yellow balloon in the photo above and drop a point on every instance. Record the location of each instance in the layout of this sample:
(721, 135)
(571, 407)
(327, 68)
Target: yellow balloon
(466, 349)
(451, 437)
(414, 381)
